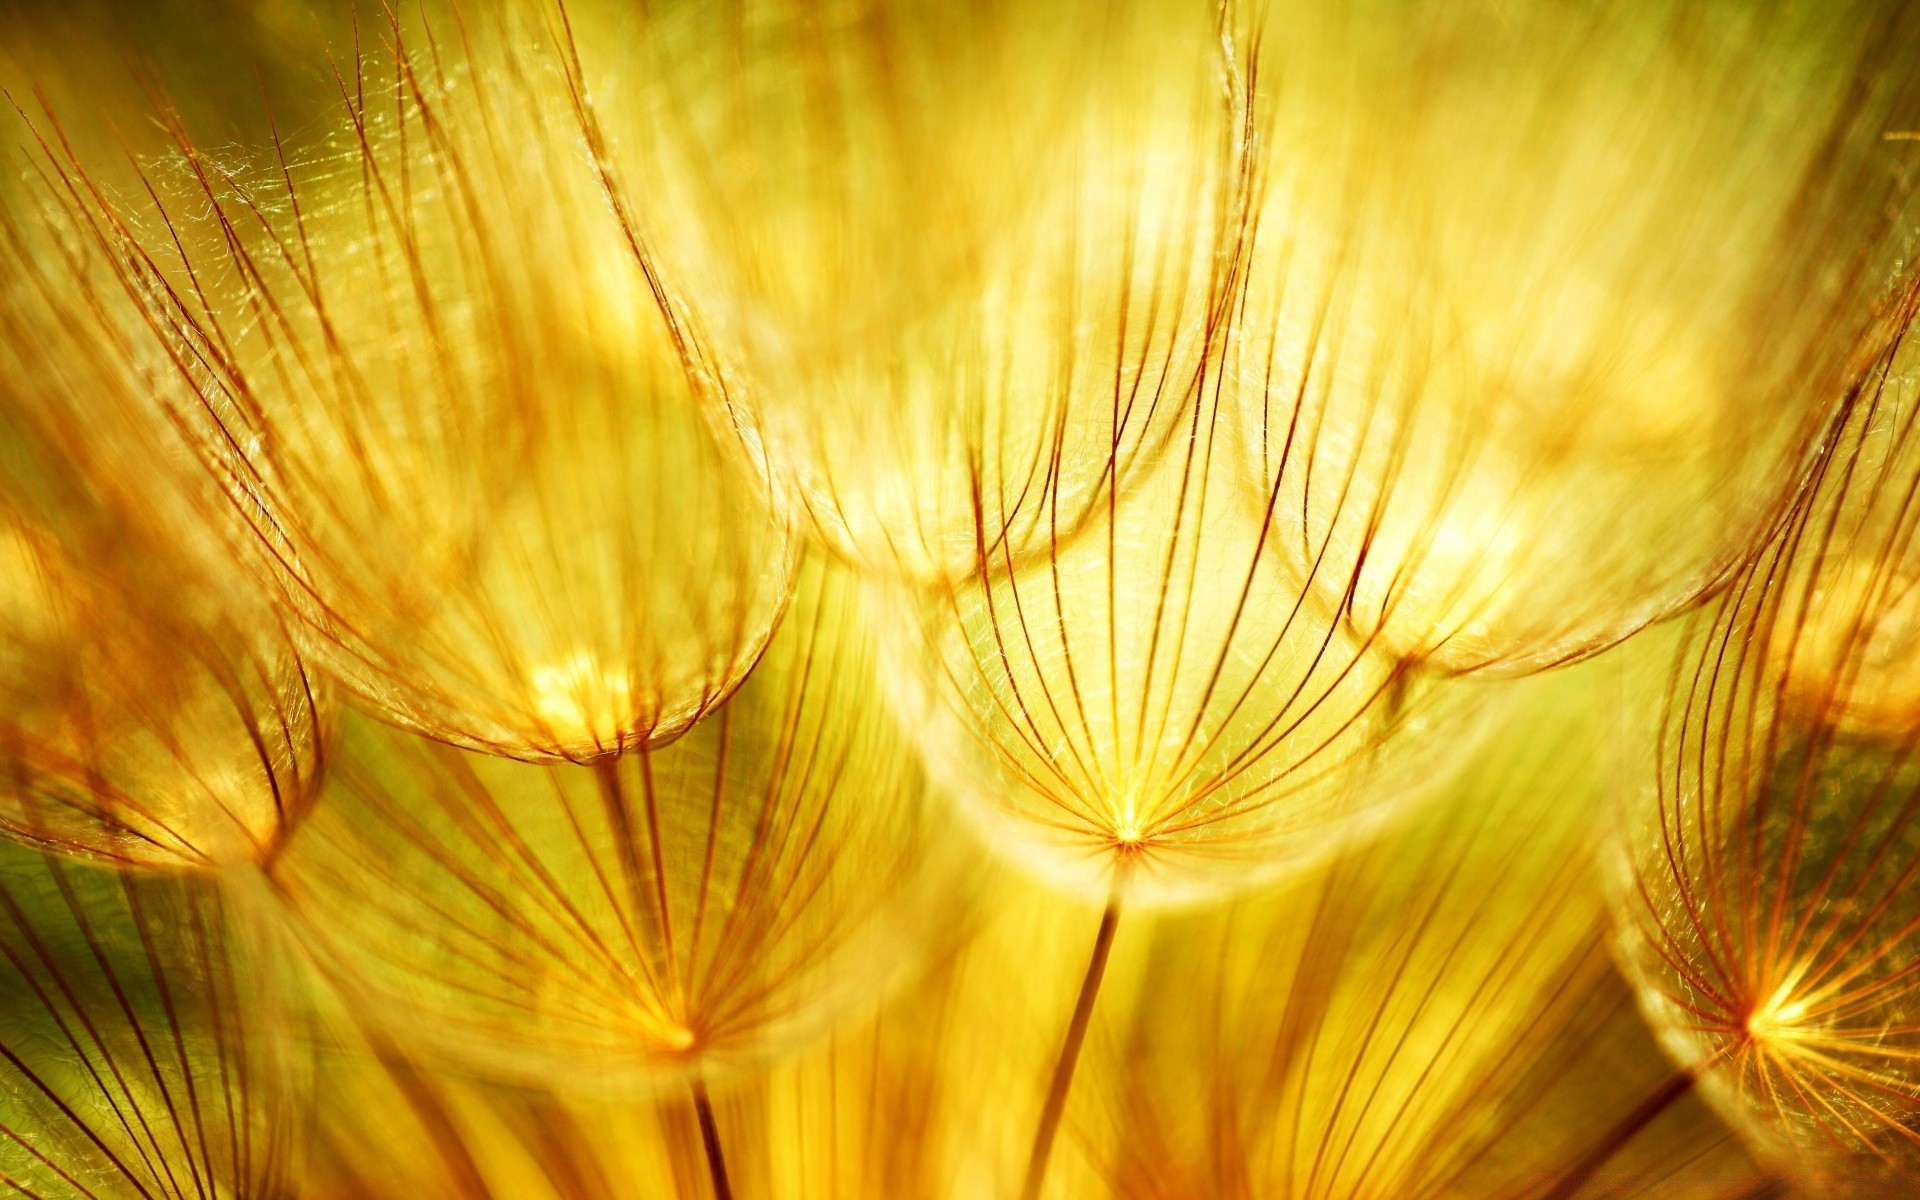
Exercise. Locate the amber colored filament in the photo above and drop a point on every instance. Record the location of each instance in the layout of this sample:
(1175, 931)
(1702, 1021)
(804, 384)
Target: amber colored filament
(710, 1139)
(1070, 1051)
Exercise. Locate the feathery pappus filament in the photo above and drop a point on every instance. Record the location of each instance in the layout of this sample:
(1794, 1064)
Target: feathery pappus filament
(1768, 904)
(960, 264)
(1546, 310)
(448, 405)
(1152, 710)
(671, 913)
(137, 1058)
(151, 713)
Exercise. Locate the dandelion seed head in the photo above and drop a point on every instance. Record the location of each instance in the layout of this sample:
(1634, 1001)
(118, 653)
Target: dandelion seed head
(1770, 913)
(963, 294)
(689, 907)
(456, 412)
(1154, 704)
(1515, 419)
(144, 723)
(1193, 391)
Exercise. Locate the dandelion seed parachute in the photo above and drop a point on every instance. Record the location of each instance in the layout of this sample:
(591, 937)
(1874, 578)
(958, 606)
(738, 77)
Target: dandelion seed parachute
(1546, 309)
(1151, 709)
(1768, 909)
(151, 714)
(671, 913)
(139, 740)
(960, 264)
(444, 398)
(136, 1057)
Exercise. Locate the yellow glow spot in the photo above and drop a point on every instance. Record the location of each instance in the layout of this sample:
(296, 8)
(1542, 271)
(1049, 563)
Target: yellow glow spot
(1129, 827)
(1779, 1019)
(580, 698)
(677, 1038)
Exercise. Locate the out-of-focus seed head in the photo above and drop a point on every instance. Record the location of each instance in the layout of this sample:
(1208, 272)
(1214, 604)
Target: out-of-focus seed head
(1153, 706)
(1546, 310)
(443, 396)
(1768, 904)
(960, 264)
(677, 909)
(153, 712)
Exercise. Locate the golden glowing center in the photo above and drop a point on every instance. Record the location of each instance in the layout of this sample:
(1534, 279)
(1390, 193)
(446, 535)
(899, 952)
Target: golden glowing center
(579, 696)
(1780, 1019)
(1129, 824)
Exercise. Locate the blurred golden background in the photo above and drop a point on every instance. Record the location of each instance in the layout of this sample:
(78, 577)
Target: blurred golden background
(1174, 600)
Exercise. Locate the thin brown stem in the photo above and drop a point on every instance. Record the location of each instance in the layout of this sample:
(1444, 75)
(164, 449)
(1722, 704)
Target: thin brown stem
(1070, 1051)
(1616, 1139)
(710, 1138)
